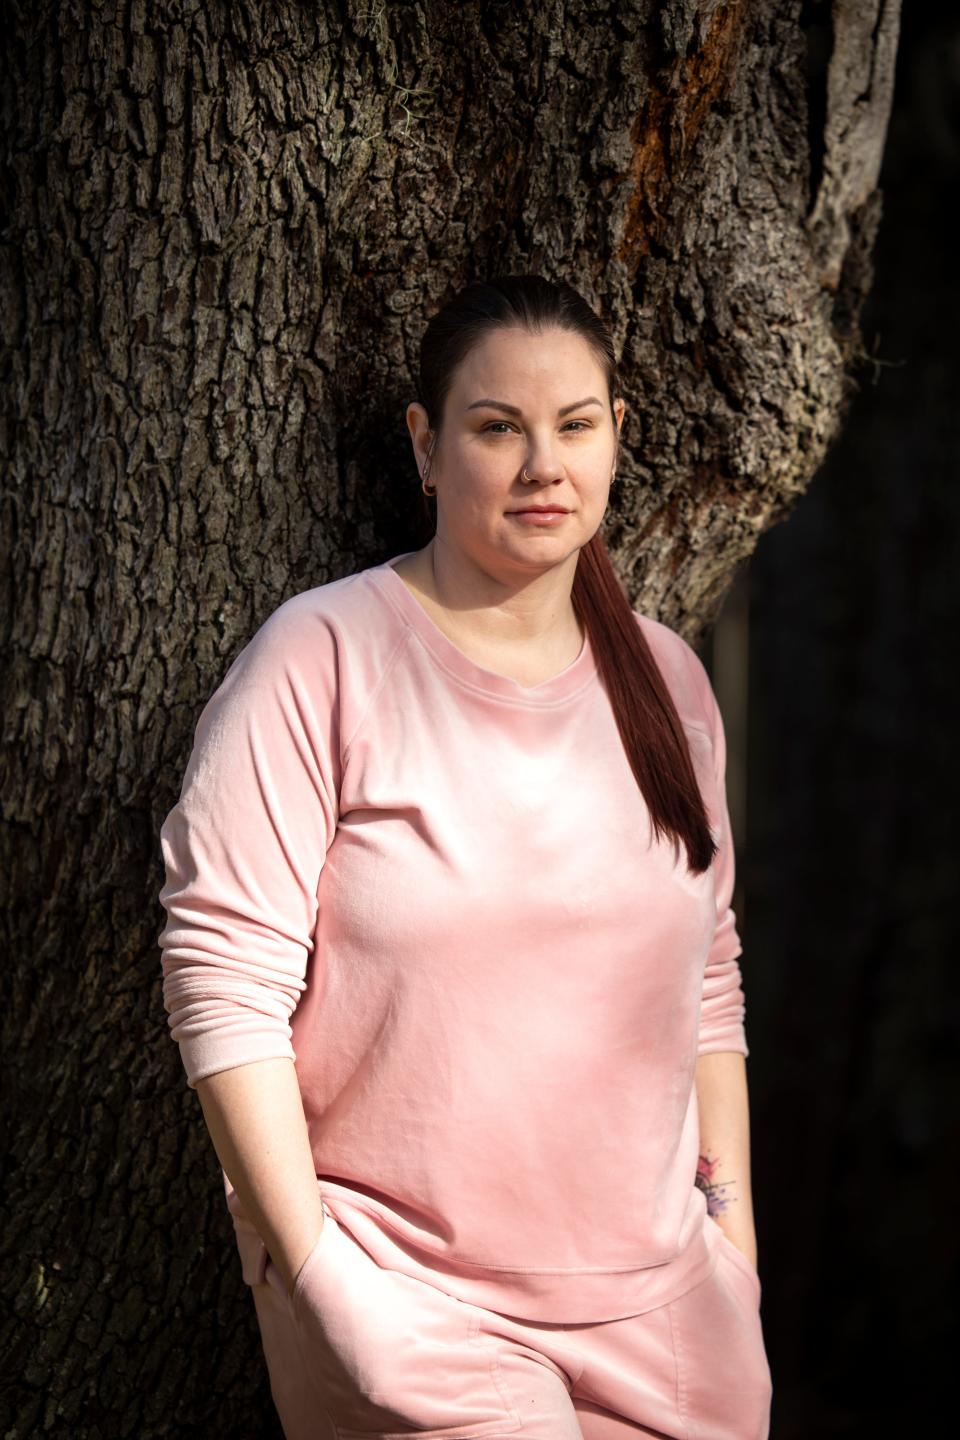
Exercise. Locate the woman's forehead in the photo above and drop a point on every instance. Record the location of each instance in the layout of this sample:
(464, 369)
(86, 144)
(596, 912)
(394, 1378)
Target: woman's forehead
(548, 360)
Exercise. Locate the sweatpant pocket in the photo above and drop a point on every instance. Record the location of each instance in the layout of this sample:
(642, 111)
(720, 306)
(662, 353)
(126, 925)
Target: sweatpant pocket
(737, 1258)
(723, 1373)
(391, 1354)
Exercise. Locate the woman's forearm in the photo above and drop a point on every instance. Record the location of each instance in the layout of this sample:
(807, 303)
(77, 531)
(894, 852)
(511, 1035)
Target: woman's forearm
(254, 1114)
(723, 1172)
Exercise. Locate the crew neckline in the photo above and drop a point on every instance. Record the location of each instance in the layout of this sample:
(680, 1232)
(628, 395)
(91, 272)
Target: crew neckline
(562, 686)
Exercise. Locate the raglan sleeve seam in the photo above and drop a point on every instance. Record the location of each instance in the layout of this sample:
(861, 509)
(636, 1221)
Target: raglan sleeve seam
(370, 705)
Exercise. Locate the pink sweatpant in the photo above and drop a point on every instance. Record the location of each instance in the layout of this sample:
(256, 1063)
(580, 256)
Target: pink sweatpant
(362, 1351)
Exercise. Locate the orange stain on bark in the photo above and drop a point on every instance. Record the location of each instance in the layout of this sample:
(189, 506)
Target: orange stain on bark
(667, 128)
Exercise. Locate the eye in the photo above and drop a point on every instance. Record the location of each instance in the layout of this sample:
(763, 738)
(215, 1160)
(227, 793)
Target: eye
(502, 427)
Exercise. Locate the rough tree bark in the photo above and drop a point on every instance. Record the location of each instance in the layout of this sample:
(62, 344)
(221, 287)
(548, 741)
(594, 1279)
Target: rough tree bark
(224, 228)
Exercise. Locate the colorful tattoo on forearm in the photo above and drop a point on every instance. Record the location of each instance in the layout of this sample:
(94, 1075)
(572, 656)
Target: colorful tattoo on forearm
(717, 1198)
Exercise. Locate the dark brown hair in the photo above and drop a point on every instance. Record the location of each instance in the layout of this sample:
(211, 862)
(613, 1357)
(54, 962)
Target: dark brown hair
(651, 730)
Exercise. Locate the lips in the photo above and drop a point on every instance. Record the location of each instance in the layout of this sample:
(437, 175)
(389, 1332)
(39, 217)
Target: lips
(541, 510)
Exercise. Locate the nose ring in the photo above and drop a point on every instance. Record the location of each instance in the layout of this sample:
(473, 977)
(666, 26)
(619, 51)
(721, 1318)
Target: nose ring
(524, 475)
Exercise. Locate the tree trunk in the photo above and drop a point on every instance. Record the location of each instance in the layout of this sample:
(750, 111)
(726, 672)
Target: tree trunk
(225, 227)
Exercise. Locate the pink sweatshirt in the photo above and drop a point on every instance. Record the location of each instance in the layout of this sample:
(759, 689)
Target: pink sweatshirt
(434, 888)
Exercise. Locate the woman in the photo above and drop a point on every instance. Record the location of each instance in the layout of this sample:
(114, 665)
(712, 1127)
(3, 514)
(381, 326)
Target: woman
(450, 956)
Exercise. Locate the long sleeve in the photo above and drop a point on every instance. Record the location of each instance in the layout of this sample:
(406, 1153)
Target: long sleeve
(244, 845)
(723, 1006)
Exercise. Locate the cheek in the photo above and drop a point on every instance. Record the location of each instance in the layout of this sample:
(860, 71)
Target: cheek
(591, 473)
(480, 478)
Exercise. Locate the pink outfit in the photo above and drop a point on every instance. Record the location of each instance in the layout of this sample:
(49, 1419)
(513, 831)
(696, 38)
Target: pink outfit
(437, 890)
(361, 1351)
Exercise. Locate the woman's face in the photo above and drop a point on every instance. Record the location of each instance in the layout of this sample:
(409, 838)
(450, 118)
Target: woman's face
(522, 402)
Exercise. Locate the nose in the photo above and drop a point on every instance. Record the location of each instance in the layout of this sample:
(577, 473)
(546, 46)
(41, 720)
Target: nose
(541, 467)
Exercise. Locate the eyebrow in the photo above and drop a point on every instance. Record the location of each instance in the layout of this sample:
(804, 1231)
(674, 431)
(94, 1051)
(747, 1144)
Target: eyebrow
(514, 410)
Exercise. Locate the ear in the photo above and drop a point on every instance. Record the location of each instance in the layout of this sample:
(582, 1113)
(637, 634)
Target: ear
(420, 432)
(619, 410)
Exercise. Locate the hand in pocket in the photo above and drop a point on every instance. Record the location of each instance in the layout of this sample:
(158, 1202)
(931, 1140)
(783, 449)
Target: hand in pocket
(737, 1257)
(391, 1353)
(290, 1276)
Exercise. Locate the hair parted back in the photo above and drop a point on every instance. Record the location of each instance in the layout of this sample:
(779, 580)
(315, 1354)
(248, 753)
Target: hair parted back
(650, 727)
